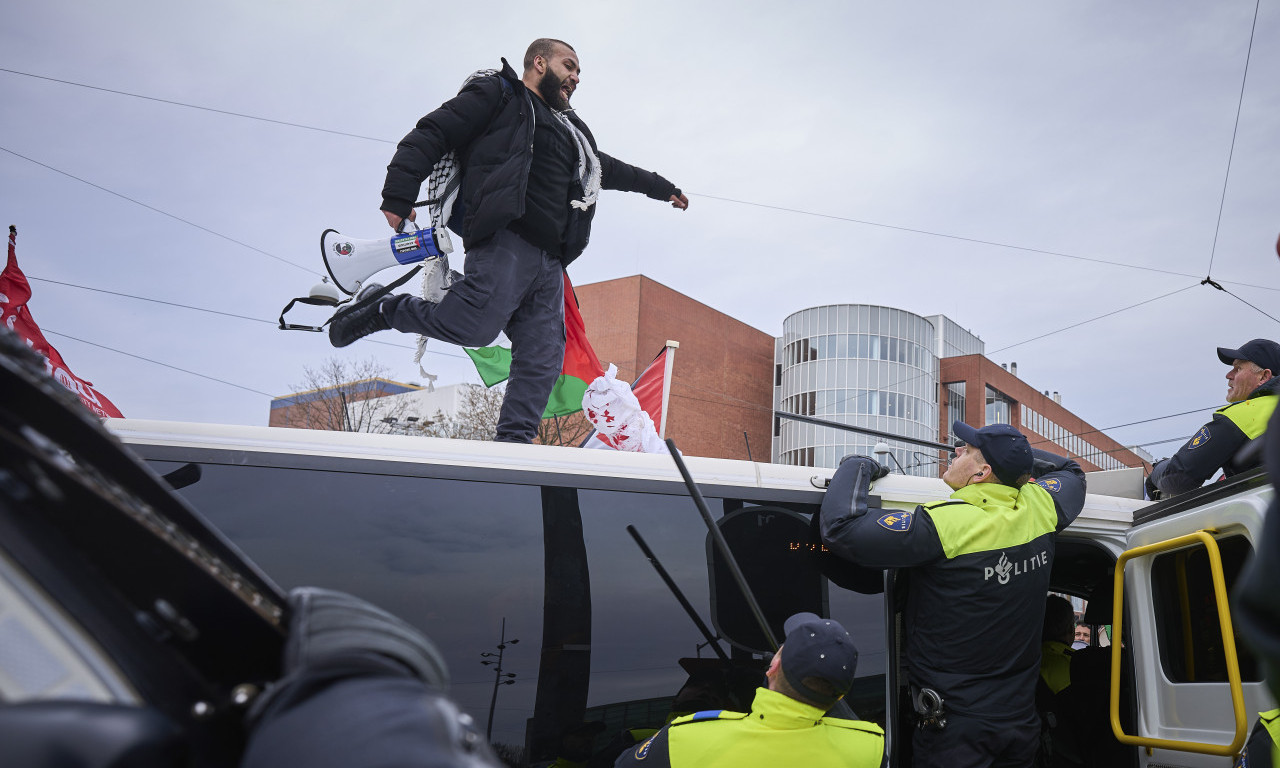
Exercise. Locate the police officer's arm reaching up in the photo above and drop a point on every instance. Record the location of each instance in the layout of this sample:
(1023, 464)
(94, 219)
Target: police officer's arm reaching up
(868, 535)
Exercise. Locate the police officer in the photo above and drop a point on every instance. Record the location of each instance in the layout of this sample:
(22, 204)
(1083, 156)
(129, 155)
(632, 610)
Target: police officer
(1257, 612)
(1261, 749)
(1252, 394)
(977, 566)
(812, 670)
(1055, 645)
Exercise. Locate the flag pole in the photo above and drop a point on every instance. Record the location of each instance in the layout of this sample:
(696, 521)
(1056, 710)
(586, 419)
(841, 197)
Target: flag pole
(672, 346)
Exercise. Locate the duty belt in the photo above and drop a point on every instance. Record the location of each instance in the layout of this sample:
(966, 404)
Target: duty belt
(928, 704)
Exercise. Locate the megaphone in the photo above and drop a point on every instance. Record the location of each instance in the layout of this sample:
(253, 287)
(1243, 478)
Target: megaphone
(351, 262)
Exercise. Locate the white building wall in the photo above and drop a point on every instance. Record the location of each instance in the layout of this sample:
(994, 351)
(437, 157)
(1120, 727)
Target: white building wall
(858, 364)
(423, 404)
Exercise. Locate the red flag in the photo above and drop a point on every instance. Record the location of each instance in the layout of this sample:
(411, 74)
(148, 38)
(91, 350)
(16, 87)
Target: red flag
(15, 291)
(580, 359)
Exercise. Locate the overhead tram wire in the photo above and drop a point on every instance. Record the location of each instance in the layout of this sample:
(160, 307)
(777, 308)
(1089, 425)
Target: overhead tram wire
(1226, 177)
(1090, 320)
(157, 210)
(216, 312)
(157, 362)
(1235, 129)
(197, 106)
(975, 240)
(799, 211)
(1215, 284)
(909, 379)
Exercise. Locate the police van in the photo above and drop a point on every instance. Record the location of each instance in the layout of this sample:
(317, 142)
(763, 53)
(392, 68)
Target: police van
(579, 596)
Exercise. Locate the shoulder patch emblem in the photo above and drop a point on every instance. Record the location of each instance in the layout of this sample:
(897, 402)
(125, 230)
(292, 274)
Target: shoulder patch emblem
(643, 751)
(1200, 438)
(897, 521)
(1050, 484)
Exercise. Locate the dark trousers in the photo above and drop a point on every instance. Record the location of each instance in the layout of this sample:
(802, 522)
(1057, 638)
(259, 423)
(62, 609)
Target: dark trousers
(976, 742)
(509, 286)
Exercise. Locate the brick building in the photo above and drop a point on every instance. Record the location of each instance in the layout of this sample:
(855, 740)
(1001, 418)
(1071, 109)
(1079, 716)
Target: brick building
(987, 393)
(722, 380)
(326, 407)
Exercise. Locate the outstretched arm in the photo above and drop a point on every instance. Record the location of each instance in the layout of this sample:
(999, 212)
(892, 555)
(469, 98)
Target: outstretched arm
(615, 174)
(871, 536)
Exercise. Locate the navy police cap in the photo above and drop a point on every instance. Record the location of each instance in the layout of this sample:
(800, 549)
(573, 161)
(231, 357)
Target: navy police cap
(821, 648)
(1263, 353)
(1005, 449)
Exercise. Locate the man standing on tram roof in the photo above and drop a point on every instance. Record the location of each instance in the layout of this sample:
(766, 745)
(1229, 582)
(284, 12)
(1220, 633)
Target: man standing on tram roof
(530, 175)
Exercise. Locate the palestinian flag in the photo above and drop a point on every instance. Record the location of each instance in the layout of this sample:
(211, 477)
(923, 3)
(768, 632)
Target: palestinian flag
(581, 366)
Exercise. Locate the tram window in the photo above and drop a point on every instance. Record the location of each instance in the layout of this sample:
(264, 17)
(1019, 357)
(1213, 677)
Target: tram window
(600, 636)
(1190, 636)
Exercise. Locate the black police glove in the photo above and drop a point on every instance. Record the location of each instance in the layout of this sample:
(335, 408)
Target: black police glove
(325, 625)
(1154, 493)
(872, 469)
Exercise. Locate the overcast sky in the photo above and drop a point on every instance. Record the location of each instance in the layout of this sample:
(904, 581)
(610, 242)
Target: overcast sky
(909, 141)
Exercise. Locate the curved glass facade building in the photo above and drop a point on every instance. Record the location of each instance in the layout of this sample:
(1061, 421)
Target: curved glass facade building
(858, 364)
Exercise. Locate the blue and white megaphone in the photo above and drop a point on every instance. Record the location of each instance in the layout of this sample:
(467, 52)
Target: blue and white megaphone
(351, 262)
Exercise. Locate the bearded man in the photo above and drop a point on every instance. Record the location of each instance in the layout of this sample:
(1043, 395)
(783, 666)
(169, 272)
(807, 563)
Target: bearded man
(530, 175)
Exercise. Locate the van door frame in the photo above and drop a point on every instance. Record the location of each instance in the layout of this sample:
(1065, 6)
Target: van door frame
(1231, 508)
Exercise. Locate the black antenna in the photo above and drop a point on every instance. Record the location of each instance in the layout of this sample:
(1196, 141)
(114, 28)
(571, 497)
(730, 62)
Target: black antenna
(722, 545)
(675, 590)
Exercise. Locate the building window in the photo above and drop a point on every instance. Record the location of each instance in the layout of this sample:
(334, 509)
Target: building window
(955, 405)
(999, 407)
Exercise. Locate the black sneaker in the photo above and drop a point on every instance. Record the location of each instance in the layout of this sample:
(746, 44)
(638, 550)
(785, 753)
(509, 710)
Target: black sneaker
(362, 318)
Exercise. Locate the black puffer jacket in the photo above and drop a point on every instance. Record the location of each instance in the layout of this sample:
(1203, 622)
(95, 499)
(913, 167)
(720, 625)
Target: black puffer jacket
(490, 123)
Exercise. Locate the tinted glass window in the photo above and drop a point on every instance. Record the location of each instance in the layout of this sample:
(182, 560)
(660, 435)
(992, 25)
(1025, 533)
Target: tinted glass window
(592, 633)
(1191, 645)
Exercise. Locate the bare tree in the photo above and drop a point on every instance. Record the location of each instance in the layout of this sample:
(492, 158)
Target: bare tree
(476, 419)
(564, 430)
(346, 396)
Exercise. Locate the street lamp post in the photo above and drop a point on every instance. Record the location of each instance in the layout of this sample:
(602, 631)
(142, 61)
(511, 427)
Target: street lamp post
(499, 677)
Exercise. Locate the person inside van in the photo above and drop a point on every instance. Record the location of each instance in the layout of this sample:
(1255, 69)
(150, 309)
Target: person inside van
(978, 566)
(1055, 647)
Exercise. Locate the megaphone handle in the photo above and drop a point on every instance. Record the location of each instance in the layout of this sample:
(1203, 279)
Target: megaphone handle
(404, 221)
